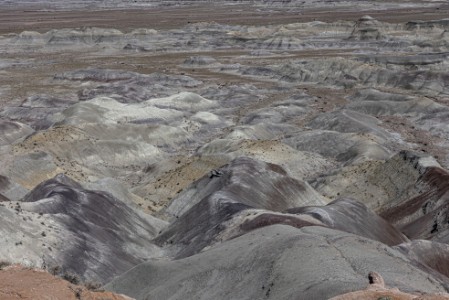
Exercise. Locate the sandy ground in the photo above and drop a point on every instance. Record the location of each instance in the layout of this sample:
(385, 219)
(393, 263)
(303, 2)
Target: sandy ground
(23, 283)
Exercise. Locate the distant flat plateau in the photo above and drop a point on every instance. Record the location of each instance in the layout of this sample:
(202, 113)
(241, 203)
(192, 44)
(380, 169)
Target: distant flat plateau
(37, 18)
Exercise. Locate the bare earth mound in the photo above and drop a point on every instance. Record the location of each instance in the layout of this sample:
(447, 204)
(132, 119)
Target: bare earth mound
(224, 149)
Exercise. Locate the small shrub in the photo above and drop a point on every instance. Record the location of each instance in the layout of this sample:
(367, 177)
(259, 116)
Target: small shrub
(4, 264)
(72, 278)
(77, 291)
(92, 286)
(56, 270)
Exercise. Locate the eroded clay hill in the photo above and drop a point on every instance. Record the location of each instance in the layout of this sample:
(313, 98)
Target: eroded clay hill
(263, 150)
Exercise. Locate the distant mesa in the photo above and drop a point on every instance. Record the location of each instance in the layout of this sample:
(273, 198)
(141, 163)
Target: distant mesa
(426, 25)
(367, 29)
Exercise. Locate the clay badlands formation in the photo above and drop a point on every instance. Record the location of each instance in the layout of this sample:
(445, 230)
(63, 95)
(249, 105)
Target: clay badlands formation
(224, 150)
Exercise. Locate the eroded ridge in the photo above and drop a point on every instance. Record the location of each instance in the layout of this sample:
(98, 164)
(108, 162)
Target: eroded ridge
(231, 150)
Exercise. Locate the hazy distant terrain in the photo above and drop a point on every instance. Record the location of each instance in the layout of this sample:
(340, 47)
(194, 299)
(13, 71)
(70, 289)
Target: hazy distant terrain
(227, 150)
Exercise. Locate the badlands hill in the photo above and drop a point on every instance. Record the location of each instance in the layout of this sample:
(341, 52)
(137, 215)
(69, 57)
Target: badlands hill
(232, 150)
